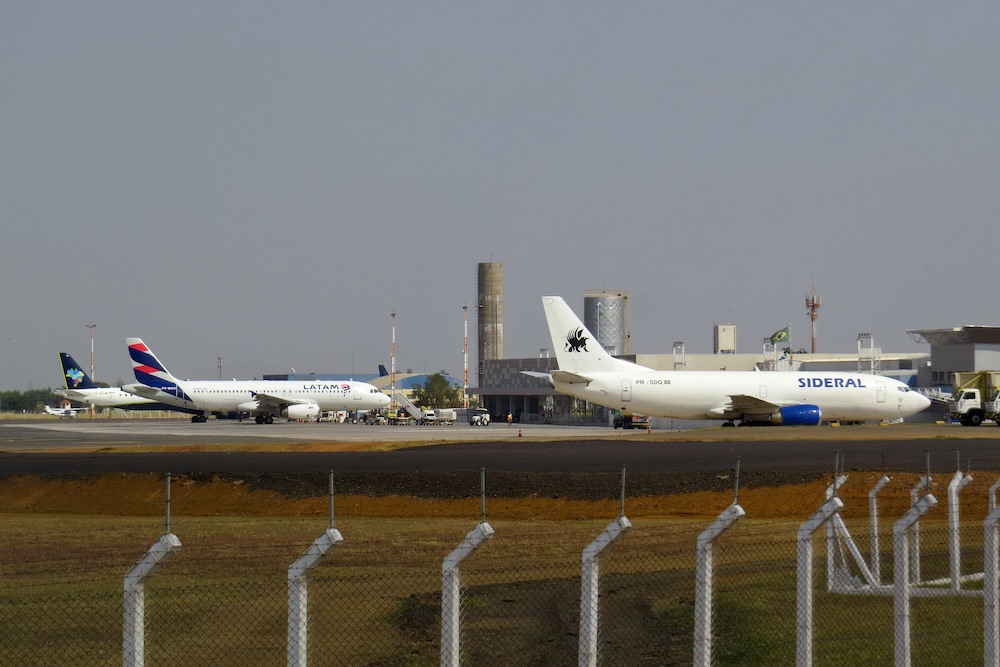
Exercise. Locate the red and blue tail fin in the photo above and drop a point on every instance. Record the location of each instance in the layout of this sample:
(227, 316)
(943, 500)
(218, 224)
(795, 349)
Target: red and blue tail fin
(147, 368)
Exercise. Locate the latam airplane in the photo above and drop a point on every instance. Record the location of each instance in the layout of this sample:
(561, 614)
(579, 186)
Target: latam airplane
(80, 388)
(266, 398)
(588, 372)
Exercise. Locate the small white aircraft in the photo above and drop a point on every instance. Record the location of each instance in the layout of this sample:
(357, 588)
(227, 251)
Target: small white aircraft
(588, 372)
(267, 399)
(63, 412)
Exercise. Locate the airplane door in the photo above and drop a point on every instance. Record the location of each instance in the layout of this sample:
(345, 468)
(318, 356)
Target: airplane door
(762, 392)
(880, 392)
(626, 391)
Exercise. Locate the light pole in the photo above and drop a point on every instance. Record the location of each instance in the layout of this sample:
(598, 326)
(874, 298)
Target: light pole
(465, 359)
(91, 326)
(392, 363)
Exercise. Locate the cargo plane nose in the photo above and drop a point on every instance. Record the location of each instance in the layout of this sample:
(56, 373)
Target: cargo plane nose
(915, 402)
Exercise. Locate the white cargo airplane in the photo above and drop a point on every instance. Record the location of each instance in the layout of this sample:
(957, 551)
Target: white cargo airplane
(588, 372)
(80, 388)
(267, 399)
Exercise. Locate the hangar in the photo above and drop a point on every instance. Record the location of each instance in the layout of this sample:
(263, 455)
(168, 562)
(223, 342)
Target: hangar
(964, 348)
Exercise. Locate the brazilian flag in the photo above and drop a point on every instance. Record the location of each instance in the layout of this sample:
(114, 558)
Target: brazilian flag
(779, 336)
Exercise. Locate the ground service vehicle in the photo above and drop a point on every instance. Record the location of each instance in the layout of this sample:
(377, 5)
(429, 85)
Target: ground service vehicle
(976, 397)
(398, 418)
(627, 420)
(481, 417)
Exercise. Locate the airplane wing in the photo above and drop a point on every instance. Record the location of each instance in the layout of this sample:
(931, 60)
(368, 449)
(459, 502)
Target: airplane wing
(570, 378)
(72, 394)
(745, 406)
(752, 404)
(273, 402)
(142, 390)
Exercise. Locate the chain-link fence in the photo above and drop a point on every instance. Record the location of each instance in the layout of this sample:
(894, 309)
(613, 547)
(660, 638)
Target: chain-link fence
(376, 599)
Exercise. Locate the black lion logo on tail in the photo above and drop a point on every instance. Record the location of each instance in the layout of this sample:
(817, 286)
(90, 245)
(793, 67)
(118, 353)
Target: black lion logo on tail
(576, 341)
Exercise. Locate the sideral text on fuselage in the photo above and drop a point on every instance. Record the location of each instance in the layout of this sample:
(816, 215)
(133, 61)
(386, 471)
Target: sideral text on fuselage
(832, 383)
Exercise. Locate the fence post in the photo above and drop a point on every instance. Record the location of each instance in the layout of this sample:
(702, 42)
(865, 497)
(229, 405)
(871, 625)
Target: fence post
(298, 595)
(831, 535)
(901, 593)
(991, 590)
(957, 483)
(703, 583)
(993, 495)
(876, 560)
(134, 648)
(804, 586)
(590, 588)
(914, 532)
(451, 592)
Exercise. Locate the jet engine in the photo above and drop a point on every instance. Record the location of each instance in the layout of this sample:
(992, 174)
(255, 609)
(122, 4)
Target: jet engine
(797, 415)
(301, 411)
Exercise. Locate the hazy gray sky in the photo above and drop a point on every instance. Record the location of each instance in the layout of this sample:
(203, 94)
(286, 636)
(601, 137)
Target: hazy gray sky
(269, 181)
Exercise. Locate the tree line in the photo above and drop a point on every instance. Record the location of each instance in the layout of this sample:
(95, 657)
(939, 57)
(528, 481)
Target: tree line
(27, 401)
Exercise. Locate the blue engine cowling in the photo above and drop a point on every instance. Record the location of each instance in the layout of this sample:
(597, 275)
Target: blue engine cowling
(798, 415)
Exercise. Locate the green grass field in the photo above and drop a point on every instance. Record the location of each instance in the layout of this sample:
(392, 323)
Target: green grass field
(222, 599)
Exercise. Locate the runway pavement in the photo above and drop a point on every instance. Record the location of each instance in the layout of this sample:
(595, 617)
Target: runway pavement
(84, 447)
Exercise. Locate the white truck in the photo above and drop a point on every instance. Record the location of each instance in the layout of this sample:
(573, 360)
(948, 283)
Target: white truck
(481, 417)
(976, 397)
(438, 416)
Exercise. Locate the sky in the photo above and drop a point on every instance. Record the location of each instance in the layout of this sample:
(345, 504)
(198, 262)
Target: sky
(269, 182)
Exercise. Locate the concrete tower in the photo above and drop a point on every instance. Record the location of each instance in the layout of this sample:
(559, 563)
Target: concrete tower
(606, 314)
(490, 314)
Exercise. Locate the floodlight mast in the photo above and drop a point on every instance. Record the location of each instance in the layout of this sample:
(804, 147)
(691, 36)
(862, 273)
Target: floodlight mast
(91, 326)
(465, 358)
(392, 364)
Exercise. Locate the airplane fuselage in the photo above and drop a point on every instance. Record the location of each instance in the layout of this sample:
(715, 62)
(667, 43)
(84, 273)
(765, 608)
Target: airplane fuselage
(709, 394)
(105, 397)
(247, 395)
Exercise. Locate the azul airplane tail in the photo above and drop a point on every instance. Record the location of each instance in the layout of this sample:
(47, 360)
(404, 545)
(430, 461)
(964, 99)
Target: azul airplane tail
(74, 377)
(147, 368)
(577, 350)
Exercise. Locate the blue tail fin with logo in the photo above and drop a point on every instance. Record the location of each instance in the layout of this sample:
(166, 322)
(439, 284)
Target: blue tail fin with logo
(74, 377)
